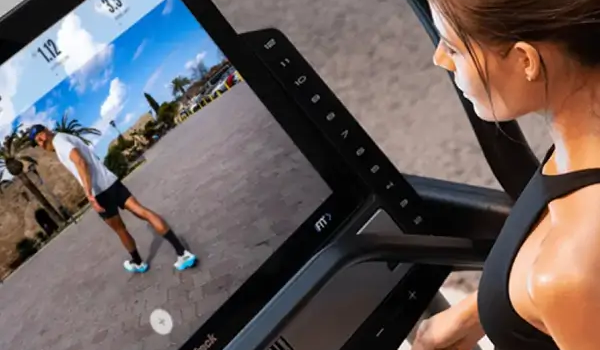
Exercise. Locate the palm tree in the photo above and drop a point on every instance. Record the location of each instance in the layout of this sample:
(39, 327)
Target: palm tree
(11, 160)
(178, 85)
(73, 127)
(153, 104)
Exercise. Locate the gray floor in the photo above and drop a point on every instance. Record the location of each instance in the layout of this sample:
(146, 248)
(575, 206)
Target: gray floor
(377, 58)
(230, 183)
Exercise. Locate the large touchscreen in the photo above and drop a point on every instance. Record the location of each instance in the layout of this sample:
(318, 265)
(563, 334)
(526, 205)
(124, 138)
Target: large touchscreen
(142, 181)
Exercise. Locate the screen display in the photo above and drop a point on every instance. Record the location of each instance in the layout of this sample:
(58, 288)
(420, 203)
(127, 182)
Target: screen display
(142, 181)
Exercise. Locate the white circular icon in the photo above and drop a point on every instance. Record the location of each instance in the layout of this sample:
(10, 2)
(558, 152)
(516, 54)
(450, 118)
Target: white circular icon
(161, 322)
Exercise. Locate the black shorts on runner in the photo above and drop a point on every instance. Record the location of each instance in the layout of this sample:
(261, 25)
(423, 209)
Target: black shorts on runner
(112, 199)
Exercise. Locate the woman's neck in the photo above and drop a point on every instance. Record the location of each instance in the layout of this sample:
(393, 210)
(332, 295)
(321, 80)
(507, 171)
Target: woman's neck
(575, 131)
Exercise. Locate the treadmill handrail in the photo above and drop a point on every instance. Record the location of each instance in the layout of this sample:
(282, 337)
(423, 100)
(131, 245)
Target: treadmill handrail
(434, 250)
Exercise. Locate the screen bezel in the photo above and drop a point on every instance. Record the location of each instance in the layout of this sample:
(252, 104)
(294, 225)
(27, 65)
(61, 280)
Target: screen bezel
(31, 18)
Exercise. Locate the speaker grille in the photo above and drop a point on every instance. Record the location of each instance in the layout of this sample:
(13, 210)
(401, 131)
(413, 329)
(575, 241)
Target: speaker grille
(281, 344)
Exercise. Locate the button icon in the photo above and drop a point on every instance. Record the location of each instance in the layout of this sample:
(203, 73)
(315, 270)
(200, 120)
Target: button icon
(316, 98)
(300, 81)
(285, 62)
(412, 295)
(161, 321)
(330, 116)
(270, 44)
(418, 220)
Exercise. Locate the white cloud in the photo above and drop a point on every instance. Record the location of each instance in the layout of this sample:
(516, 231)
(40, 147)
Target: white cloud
(101, 80)
(10, 73)
(87, 57)
(152, 79)
(111, 107)
(113, 104)
(70, 111)
(168, 7)
(192, 64)
(140, 49)
(33, 116)
(128, 117)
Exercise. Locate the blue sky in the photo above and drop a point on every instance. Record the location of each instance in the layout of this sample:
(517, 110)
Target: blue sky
(105, 66)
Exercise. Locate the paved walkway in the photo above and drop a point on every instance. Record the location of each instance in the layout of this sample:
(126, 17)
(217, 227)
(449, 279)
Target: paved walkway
(230, 183)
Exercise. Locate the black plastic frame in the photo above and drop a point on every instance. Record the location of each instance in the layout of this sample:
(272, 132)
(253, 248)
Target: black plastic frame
(504, 146)
(31, 18)
(463, 244)
(396, 195)
(347, 251)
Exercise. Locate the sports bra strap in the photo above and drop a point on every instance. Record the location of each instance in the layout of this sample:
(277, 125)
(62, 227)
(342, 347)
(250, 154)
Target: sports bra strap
(557, 186)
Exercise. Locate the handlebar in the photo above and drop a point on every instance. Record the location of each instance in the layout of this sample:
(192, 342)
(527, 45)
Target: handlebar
(432, 250)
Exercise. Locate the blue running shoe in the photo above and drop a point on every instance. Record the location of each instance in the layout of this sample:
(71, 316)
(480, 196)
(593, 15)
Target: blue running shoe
(185, 261)
(135, 268)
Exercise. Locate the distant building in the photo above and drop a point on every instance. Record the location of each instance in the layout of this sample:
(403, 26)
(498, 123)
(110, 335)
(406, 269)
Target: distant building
(18, 206)
(138, 125)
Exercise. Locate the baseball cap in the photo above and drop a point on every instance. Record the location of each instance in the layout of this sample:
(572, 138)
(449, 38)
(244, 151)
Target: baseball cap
(36, 129)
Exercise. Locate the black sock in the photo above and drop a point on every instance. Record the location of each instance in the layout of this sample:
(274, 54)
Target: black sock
(135, 257)
(170, 236)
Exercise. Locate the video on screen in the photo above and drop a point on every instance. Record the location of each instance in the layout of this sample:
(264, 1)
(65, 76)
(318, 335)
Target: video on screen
(142, 181)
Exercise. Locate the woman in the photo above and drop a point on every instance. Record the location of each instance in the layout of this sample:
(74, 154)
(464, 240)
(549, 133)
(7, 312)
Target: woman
(539, 289)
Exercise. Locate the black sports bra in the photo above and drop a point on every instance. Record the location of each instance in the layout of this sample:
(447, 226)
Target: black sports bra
(503, 326)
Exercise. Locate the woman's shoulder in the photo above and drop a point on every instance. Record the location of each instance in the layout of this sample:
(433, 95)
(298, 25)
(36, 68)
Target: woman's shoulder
(571, 248)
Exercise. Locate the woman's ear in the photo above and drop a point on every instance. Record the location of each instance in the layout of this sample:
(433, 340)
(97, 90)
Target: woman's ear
(529, 60)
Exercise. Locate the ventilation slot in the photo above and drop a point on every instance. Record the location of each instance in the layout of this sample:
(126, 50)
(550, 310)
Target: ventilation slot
(281, 344)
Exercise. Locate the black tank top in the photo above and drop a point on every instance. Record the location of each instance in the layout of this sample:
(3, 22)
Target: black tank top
(503, 326)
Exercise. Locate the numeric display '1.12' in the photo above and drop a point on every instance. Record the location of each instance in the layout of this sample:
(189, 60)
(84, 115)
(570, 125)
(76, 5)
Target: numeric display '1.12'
(49, 51)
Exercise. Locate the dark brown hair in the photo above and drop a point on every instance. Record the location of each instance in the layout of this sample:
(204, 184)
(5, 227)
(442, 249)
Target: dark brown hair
(573, 25)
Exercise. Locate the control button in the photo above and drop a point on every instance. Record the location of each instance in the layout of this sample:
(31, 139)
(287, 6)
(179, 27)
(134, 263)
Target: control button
(301, 80)
(284, 62)
(418, 220)
(404, 203)
(344, 134)
(389, 186)
(375, 169)
(270, 44)
(330, 117)
(316, 98)
(360, 151)
(161, 322)
(412, 295)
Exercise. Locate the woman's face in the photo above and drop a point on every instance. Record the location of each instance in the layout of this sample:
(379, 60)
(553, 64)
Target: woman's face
(510, 96)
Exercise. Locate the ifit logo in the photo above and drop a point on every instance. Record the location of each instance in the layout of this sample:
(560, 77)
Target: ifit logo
(208, 343)
(322, 222)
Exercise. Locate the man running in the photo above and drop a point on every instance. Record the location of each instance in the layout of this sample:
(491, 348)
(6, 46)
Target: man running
(107, 194)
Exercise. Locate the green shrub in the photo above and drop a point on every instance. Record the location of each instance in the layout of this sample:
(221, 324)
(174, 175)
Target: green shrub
(116, 162)
(167, 113)
(26, 248)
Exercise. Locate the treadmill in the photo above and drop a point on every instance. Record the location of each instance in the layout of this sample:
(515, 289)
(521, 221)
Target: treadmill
(383, 263)
(334, 301)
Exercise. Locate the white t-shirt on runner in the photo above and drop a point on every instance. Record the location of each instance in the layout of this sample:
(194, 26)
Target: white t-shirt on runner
(101, 177)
